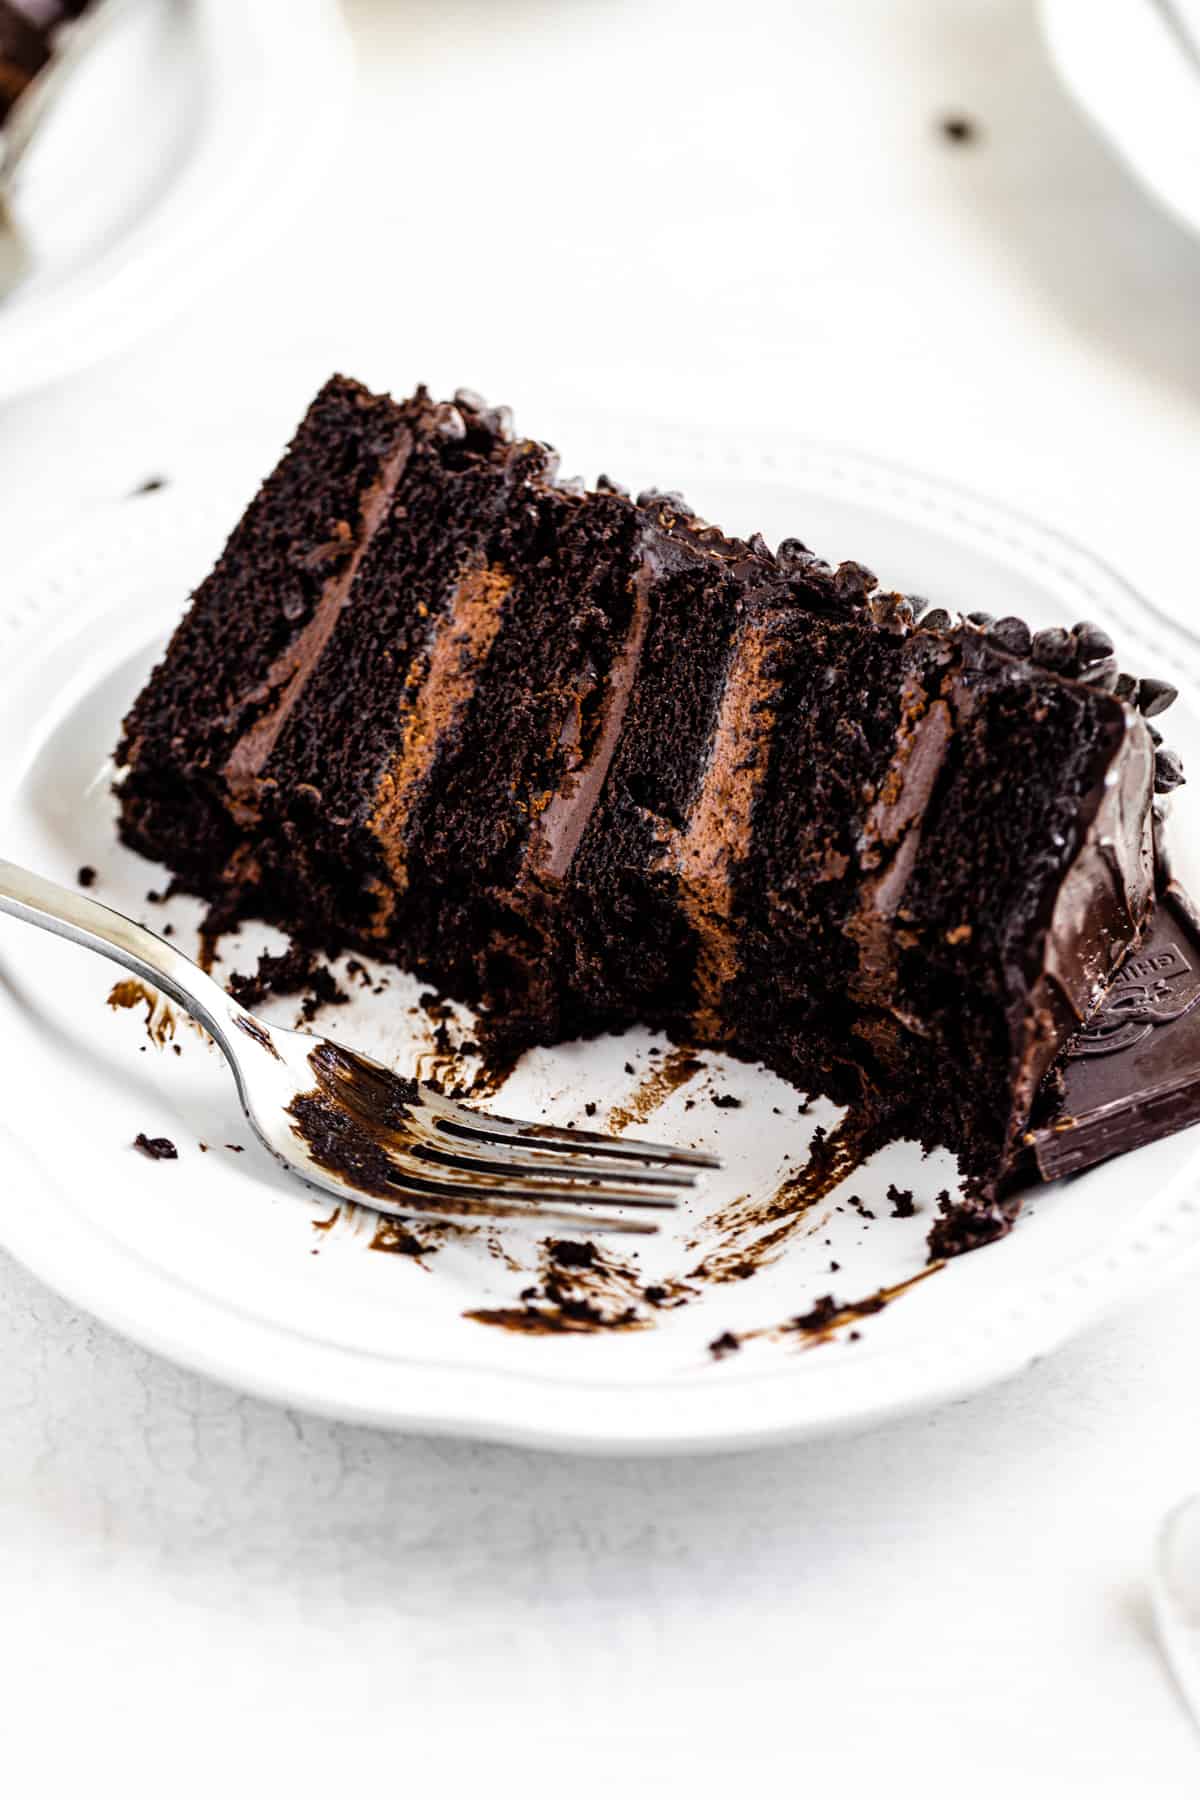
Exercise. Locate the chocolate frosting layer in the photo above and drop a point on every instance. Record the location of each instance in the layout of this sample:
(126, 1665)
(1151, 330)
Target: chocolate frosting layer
(891, 833)
(563, 820)
(1100, 910)
(439, 686)
(718, 832)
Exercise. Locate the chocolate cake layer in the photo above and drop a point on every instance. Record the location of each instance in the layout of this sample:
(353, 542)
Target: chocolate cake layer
(585, 760)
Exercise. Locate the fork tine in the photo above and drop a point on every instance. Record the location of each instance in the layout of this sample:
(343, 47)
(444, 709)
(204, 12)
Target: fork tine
(455, 1151)
(408, 1198)
(591, 1170)
(465, 1122)
(412, 1173)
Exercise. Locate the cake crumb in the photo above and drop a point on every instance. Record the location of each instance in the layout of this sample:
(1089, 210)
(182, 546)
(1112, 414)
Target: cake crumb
(287, 973)
(391, 1236)
(820, 1315)
(570, 1255)
(325, 992)
(157, 1149)
(902, 1203)
(963, 1224)
(723, 1346)
(726, 1100)
(956, 128)
(86, 876)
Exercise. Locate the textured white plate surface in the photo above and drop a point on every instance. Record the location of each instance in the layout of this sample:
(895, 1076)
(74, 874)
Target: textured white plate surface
(214, 1259)
(190, 135)
(1134, 68)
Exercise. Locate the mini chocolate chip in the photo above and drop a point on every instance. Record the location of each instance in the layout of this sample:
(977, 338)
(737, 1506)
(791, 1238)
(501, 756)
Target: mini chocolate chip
(664, 499)
(1101, 674)
(982, 619)
(758, 543)
(1054, 648)
(794, 559)
(892, 611)
(470, 399)
(1091, 643)
(938, 620)
(449, 423)
(606, 485)
(853, 581)
(500, 422)
(1126, 687)
(1154, 697)
(1168, 771)
(1012, 634)
(546, 461)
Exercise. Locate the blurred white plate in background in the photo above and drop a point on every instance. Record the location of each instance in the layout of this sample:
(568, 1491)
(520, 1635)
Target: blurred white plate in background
(1134, 68)
(190, 135)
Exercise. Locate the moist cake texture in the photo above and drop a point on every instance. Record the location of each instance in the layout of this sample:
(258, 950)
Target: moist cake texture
(585, 760)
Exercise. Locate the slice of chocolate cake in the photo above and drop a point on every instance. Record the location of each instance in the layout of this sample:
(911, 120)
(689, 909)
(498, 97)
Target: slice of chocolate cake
(585, 760)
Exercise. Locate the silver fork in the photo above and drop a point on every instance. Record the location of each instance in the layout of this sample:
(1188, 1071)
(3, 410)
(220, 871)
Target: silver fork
(348, 1125)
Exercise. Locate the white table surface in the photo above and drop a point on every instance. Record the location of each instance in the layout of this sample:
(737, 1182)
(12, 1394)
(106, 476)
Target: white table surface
(741, 217)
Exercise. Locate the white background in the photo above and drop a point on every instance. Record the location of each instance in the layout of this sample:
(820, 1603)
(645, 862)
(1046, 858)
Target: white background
(739, 216)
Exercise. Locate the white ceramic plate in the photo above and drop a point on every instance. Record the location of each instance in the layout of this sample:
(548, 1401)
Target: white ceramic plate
(191, 134)
(1134, 68)
(215, 1260)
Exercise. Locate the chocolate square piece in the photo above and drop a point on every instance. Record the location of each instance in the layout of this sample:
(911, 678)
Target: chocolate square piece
(1133, 1075)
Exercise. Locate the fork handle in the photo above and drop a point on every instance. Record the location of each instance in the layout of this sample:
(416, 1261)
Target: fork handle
(83, 921)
